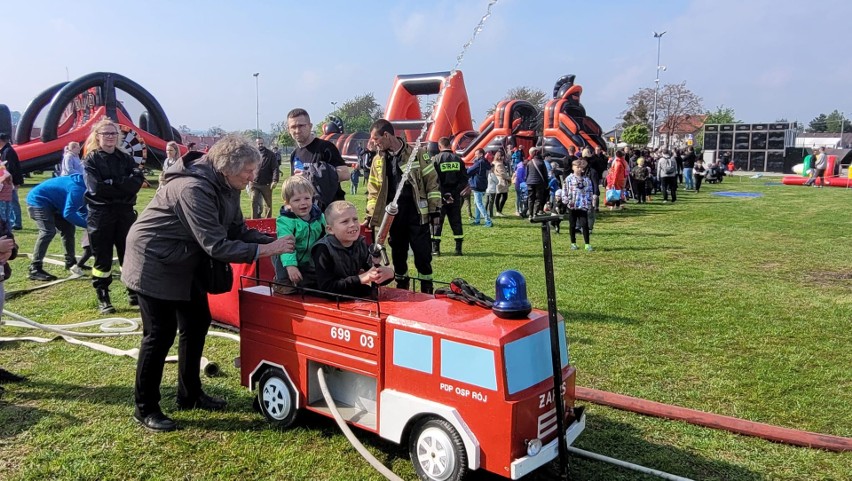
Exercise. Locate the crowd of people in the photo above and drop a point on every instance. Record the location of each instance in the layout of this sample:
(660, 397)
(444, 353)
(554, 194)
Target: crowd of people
(194, 222)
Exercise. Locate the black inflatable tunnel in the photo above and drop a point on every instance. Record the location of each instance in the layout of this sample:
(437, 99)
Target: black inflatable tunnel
(6, 120)
(147, 126)
(107, 82)
(25, 126)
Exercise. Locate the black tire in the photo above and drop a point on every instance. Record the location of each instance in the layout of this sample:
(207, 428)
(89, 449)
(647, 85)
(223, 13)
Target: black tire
(437, 451)
(276, 398)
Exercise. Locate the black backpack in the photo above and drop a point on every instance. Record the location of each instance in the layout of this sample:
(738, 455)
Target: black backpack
(323, 177)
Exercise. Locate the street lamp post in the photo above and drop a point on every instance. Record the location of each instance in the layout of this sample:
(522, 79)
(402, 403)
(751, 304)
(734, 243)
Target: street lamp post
(659, 37)
(256, 75)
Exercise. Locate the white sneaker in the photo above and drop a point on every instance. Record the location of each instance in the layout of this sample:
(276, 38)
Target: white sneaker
(77, 271)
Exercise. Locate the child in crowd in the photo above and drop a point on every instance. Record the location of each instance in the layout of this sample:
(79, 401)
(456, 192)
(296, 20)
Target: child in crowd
(517, 158)
(559, 208)
(640, 174)
(579, 200)
(354, 177)
(6, 191)
(698, 173)
(342, 259)
(304, 220)
(553, 183)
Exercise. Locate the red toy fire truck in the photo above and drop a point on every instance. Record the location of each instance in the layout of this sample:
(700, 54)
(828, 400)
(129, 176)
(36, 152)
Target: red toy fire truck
(463, 388)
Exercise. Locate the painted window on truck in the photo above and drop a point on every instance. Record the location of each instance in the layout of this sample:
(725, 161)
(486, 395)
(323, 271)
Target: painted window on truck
(528, 359)
(412, 350)
(469, 364)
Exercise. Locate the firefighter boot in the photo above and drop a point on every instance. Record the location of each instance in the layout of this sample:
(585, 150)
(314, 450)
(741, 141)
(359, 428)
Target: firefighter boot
(459, 247)
(426, 287)
(436, 247)
(104, 304)
(403, 282)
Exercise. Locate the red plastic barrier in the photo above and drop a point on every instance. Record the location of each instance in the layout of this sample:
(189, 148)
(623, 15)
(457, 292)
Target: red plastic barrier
(225, 308)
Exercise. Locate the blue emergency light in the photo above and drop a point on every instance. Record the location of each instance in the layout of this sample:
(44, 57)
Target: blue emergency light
(510, 300)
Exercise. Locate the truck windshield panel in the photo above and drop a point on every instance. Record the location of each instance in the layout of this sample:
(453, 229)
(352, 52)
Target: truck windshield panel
(470, 364)
(528, 359)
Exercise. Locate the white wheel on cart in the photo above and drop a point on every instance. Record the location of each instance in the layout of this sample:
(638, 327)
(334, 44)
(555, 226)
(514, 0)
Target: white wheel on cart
(276, 398)
(437, 451)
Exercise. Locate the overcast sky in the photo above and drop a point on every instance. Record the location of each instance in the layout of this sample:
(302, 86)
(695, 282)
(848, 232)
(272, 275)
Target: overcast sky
(766, 59)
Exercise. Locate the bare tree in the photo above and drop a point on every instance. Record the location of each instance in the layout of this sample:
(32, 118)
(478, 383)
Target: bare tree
(216, 131)
(674, 103)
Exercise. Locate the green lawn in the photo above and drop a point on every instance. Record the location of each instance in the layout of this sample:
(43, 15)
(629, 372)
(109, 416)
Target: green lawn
(735, 306)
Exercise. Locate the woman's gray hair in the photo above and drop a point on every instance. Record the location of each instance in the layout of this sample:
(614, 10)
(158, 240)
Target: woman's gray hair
(232, 153)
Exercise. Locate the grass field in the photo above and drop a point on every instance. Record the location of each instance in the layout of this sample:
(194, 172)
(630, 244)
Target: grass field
(734, 306)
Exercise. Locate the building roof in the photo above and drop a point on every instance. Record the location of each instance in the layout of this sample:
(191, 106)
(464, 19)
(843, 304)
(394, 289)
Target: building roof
(683, 124)
(824, 139)
(201, 141)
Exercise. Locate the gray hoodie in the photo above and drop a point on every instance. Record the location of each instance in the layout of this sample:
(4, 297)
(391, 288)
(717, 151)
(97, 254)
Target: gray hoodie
(194, 213)
(666, 164)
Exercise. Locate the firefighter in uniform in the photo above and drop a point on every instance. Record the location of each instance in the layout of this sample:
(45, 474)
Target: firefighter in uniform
(453, 179)
(419, 203)
(112, 181)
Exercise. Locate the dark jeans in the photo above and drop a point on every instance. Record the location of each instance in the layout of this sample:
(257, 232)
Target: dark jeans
(698, 180)
(161, 320)
(17, 218)
(669, 186)
(108, 227)
(579, 218)
(538, 196)
(48, 222)
(520, 202)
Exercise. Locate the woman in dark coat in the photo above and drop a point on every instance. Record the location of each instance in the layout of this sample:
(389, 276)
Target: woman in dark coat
(194, 215)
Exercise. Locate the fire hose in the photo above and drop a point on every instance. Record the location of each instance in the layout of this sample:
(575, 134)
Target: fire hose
(716, 421)
(110, 327)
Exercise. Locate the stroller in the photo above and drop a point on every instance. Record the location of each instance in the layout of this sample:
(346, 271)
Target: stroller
(715, 174)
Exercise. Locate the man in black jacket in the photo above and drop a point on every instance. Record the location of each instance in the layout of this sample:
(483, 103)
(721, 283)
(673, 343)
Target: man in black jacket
(452, 176)
(688, 166)
(13, 165)
(261, 189)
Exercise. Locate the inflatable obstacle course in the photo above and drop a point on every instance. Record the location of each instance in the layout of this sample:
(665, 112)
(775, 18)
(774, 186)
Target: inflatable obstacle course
(71, 108)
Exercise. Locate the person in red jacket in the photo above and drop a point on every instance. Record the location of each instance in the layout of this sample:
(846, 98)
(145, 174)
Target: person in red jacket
(617, 178)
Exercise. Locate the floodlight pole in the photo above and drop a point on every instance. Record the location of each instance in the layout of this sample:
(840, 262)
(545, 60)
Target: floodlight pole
(256, 75)
(659, 37)
(841, 130)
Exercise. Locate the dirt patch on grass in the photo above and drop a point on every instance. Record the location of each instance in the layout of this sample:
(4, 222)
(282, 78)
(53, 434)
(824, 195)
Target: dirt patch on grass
(829, 278)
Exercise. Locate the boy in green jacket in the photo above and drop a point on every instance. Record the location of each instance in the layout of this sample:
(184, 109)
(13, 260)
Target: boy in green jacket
(302, 219)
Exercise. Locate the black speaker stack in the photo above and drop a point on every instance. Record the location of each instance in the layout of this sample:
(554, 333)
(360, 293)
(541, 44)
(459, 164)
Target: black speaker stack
(753, 147)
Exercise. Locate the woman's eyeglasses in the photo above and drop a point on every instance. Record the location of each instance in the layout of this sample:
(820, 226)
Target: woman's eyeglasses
(108, 134)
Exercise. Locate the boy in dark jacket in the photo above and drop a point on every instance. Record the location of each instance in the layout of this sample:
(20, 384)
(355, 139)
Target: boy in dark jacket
(342, 258)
